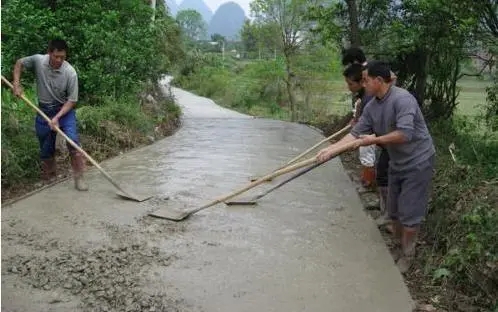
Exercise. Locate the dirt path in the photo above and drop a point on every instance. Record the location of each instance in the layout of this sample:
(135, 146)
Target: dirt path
(306, 247)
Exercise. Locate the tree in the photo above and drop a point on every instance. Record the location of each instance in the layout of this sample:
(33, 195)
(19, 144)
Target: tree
(192, 24)
(353, 23)
(249, 36)
(217, 38)
(288, 16)
(256, 37)
(113, 44)
(421, 39)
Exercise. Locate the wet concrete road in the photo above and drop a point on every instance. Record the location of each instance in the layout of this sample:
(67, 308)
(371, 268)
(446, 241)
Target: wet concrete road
(305, 247)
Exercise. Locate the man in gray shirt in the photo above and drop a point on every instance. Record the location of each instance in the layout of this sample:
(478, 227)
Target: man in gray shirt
(394, 119)
(57, 90)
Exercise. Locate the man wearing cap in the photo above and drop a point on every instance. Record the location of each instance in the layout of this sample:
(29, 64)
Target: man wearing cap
(393, 119)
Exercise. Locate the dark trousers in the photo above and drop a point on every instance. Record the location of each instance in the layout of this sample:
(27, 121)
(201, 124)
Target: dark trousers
(382, 168)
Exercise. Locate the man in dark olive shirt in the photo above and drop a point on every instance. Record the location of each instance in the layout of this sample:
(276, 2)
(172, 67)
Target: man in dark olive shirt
(394, 118)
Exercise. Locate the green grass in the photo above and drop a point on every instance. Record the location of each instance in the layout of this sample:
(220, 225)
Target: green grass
(326, 97)
(333, 97)
(472, 97)
(320, 94)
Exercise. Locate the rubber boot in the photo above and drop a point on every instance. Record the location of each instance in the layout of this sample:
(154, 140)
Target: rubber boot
(78, 165)
(408, 243)
(368, 176)
(48, 169)
(396, 229)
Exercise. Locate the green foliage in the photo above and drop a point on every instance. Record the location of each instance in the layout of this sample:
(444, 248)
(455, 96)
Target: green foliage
(113, 45)
(425, 41)
(117, 50)
(19, 143)
(463, 220)
(192, 24)
(259, 87)
(491, 109)
(261, 40)
(217, 38)
(330, 31)
(253, 86)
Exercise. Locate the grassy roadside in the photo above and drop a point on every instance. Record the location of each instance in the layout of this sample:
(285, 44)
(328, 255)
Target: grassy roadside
(107, 130)
(457, 257)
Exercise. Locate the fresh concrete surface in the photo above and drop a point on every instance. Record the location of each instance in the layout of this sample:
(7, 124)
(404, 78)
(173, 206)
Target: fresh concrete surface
(308, 246)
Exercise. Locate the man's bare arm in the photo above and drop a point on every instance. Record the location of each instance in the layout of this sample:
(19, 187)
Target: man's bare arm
(64, 109)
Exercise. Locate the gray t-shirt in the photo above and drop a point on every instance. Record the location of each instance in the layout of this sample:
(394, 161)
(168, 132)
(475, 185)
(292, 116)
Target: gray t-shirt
(53, 84)
(398, 110)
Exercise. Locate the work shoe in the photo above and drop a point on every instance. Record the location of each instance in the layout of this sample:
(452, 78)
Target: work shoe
(78, 165)
(368, 176)
(48, 169)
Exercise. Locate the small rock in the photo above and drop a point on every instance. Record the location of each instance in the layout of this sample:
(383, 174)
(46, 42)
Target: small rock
(100, 294)
(83, 280)
(67, 285)
(426, 308)
(55, 300)
(14, 270)
(151, 99)
(144, 303)
(129, 301)
(47, 287)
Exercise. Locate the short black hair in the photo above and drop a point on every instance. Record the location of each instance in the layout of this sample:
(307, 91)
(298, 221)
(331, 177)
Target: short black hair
(353, 55)
(57, 44)
(379, 69)
(354, 72)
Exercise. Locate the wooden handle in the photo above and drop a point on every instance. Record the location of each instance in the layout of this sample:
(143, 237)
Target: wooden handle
(317, 144)
(65, 136)
(313, 147)
(251, 185)
(272, 175)
(304, 163)
(295, 176)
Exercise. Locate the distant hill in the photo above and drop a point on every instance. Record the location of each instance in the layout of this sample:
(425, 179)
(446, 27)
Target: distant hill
(227, 20)
(199, 6)
(172, 6)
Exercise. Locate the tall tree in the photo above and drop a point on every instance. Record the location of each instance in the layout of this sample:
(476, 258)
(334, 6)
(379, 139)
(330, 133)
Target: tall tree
(353, 23)
(289, 18)
(421, 39)
(192, 24)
